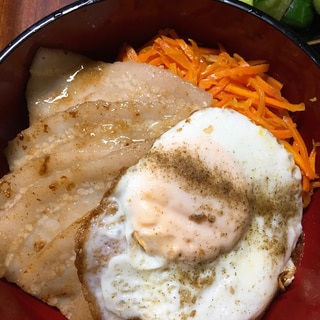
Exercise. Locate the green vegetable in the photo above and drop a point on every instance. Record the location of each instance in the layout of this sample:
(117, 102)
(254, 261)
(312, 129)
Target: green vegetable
(274, 8)
(316, 4)
(250, 2)
(300, 14)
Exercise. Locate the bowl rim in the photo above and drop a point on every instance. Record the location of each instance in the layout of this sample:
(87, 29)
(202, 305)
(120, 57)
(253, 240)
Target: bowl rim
(40, 24)
(280, 27)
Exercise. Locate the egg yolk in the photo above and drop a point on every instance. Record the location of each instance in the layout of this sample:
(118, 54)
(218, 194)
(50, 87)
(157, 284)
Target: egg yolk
(187, 201)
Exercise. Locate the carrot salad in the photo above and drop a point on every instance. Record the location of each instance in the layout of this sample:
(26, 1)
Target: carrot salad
(237, 84)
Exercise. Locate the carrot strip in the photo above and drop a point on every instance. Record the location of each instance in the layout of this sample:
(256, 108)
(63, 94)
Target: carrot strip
(268, 88)
(313, 154)
(261, 96)
(281, 134)
(235, 83)
(243, 70)
(271, 102)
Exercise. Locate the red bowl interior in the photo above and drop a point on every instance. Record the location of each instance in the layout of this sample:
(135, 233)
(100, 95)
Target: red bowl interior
(98, 28)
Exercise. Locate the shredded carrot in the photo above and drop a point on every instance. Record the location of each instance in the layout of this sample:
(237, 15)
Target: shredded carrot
(235, 83)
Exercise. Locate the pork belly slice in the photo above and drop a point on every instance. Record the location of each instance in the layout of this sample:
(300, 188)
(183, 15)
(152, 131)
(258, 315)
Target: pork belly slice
(62, 165)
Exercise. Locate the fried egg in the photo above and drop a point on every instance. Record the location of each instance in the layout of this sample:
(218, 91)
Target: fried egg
(202, 227)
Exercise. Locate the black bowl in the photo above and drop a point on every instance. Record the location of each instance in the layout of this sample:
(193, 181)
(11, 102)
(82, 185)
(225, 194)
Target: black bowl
(98, 28)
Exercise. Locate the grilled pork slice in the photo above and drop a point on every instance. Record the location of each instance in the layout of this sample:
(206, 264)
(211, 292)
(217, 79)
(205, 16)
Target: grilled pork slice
(73, 79)
(88, 122)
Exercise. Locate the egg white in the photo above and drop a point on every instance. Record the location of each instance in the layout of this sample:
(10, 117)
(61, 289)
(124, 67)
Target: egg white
(239, 283)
